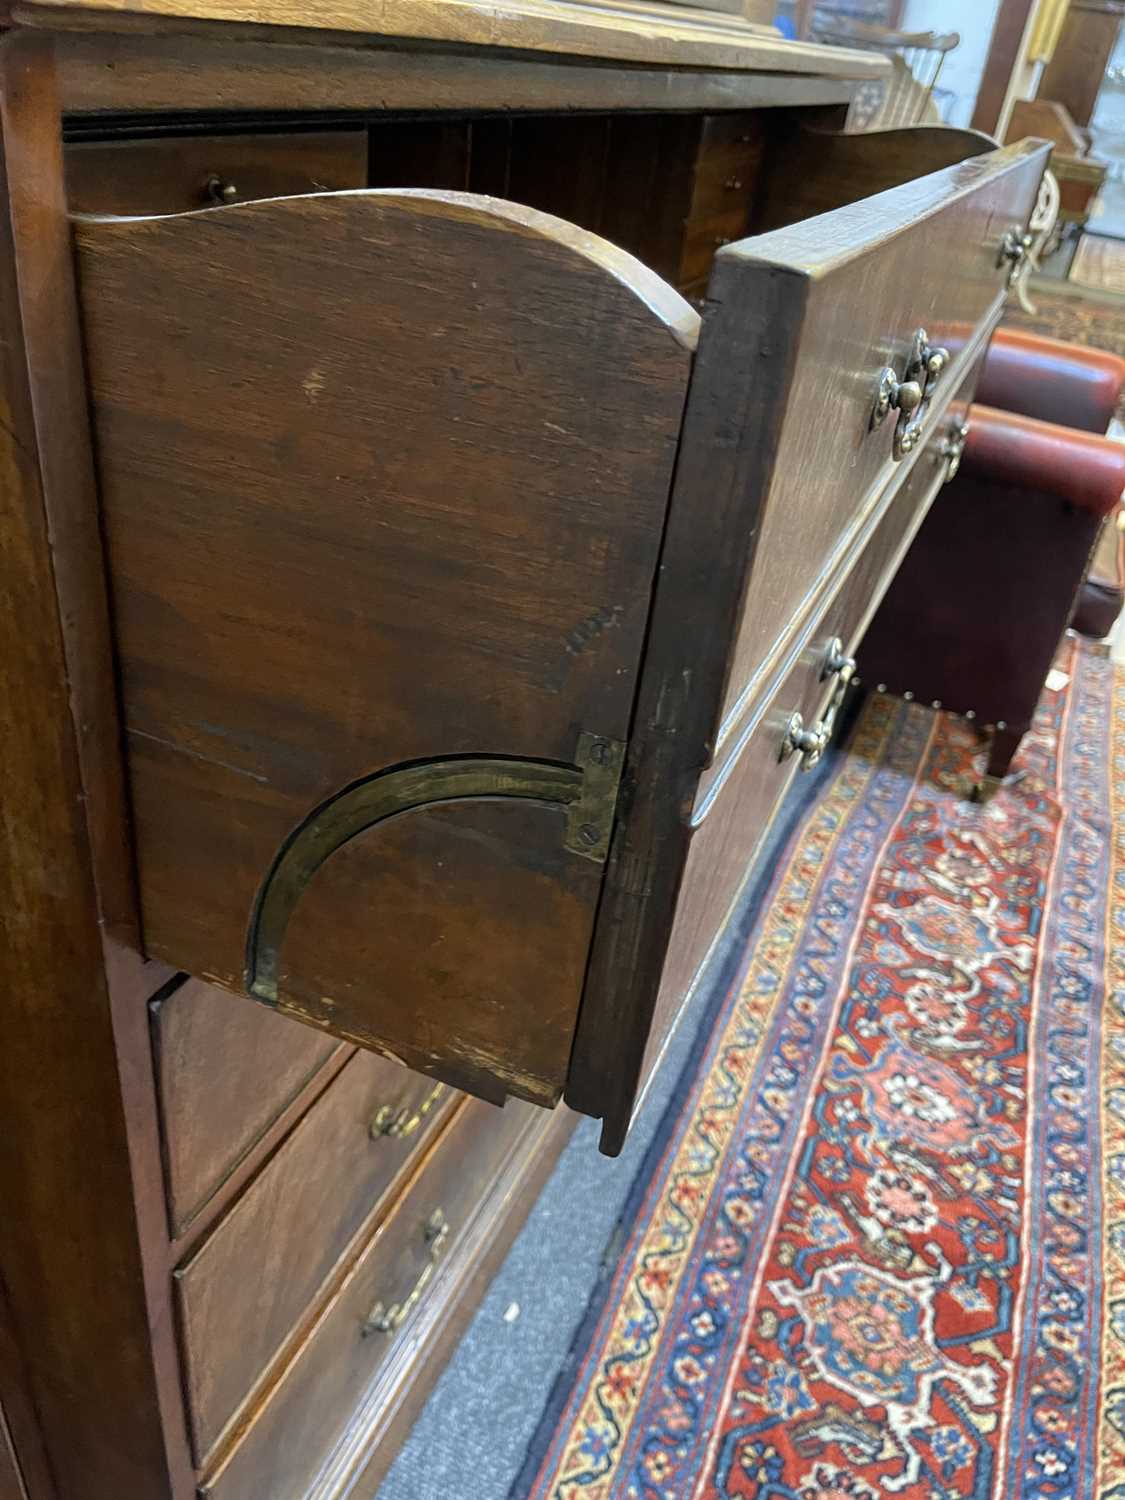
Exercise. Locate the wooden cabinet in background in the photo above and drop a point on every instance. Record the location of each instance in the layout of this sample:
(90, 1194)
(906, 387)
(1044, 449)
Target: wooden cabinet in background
(1074, 76)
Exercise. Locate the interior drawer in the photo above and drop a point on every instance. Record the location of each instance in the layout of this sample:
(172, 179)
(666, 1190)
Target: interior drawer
(244, 1289)
(173, 174)
(370, 1312)
(225, 1069)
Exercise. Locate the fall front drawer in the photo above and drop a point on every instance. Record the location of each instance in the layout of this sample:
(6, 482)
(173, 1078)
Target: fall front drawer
(259, 1270)
(428, 637)
(294, 1429)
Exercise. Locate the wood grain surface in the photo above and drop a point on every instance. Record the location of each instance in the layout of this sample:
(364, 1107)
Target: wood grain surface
(922, 255)
(404, 512)
(394, 1399)
(108, 72)
(626, 31)
(295, 1429)
(1004, 48)
(1074, 75)
(811, 169)
(70, 1263)
(179, 173)
(225, 1069)
(775, 460)
(257, 1273)
(743, 795)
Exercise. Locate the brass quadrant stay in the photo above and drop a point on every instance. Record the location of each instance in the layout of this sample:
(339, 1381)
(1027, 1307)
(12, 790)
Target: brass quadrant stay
(588, 788)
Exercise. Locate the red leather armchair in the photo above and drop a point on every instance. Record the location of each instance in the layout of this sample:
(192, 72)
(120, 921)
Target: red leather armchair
(1054, 382)
(974, 617)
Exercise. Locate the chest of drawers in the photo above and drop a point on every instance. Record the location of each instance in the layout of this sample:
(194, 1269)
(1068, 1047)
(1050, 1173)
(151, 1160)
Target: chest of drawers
(434, 540)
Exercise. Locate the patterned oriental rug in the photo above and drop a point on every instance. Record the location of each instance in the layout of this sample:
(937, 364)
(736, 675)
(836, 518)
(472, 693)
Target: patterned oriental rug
(879, 1246)
(1076, 314)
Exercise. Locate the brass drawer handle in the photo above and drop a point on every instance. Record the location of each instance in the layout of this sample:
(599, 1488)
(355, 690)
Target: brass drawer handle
(384, 1319)
(811, 743)
(396, 1123)
(911, 395)
(953, 448)
(1013, 251)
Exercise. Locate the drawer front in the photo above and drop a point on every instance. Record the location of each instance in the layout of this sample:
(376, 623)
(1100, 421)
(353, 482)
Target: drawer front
(297, 1426)
(249, 1283)
(858, 283)
(175, 174)
(735, 806)
(778, 477)
(225, 1069)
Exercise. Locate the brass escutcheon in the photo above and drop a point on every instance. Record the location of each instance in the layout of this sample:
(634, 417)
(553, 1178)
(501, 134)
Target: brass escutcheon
(910, 396)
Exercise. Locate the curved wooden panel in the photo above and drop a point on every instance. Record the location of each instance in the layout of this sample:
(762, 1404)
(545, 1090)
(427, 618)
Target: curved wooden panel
(360, 807)
(453, 938)
(383, 479)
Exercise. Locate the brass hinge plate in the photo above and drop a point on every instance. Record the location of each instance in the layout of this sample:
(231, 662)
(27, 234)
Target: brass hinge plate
(589, 818)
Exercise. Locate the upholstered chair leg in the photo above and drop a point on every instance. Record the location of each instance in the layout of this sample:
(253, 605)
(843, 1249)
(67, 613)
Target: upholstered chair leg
(1005, 743)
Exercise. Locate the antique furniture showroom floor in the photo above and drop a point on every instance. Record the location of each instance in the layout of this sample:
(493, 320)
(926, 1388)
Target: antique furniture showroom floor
(452, 453)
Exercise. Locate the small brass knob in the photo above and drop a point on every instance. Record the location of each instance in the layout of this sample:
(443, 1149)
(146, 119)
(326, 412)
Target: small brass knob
(837, 662)
(809, 743)
(907, 396)
(218, 190)
(936, 360)
(891, 392)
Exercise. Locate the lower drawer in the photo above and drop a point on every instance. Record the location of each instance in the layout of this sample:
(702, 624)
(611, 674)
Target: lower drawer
(296, 1427)
(736, 805)
(242, 1292)
(226, 1068)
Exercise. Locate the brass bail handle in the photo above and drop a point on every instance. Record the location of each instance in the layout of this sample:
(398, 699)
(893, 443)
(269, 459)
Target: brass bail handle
(384, 1319)
(910, 396)
(395, 1123)
(953, 448)
(1014, 248)
(810, 742)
